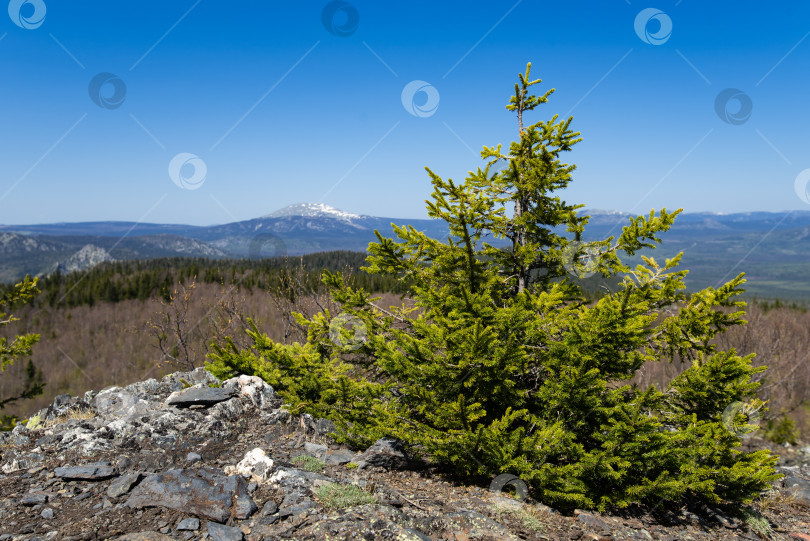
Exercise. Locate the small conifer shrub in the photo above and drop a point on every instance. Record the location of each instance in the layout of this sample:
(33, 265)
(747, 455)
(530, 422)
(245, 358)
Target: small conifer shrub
(507, 369)
(18, 348)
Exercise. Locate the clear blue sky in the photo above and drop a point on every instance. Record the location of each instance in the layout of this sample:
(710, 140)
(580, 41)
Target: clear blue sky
(280, 110)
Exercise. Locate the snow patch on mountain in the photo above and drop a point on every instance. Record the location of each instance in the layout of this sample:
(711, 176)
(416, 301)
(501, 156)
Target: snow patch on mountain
(312, 210)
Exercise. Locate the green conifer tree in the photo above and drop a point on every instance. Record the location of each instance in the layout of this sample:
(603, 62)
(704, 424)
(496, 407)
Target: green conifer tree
(19, 347)
(506, 369)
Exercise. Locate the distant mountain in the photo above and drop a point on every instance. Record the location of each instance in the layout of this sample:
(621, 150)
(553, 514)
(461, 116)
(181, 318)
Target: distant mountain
(312, 210)
(773, 248)
(40, 254)
(88, 256)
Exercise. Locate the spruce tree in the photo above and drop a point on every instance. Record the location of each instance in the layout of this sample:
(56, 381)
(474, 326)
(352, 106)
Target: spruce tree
(20, 346)
(502, 367)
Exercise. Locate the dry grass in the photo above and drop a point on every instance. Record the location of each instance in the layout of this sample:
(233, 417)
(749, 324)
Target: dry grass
(777, 500)
(72, 414)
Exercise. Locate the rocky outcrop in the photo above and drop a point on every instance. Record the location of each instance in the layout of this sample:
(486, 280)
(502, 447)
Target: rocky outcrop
(190, 457)
(87, 257)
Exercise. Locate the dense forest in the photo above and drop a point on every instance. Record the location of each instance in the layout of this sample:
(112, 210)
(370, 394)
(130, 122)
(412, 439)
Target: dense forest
(125, 280)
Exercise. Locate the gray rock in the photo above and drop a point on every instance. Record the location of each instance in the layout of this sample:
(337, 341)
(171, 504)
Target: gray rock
(243, 504)
(385, 453)
(324, 427)
(193, 457)
(19, 435)
(179, 380)
(199, 396)
(229, 410)
(63, 403)
(143, 536)
(592, 521)
(293, 497)
(47, 514)
(206, 492)
(165, 440)
(25, 462)
(34, 499)
(339, 456)
(118, 403)
(799, 488)
(269, 508)
(150, 386)
(415, 535)
(191, 523)
(476, 525)
(220, 532)
(315, 449)
(122, 485)
(88, 472)
(268, 520)
(255, 388)
(297, 509)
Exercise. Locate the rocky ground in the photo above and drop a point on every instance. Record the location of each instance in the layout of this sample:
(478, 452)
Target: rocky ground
(180, 459)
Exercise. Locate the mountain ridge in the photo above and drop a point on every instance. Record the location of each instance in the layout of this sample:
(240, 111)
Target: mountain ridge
(774, 248)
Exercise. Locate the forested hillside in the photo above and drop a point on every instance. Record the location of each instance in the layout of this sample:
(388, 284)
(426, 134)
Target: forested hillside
(101, 326)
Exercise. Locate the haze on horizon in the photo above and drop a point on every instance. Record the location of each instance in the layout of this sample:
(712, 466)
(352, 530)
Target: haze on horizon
(200, 113)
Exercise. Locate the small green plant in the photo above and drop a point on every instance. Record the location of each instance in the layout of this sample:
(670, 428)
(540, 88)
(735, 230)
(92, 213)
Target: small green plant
(781, 431)
(34, 422)
(756, 522)
(308, 463)
(335, 496)
(352, 465)
(528, 516)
